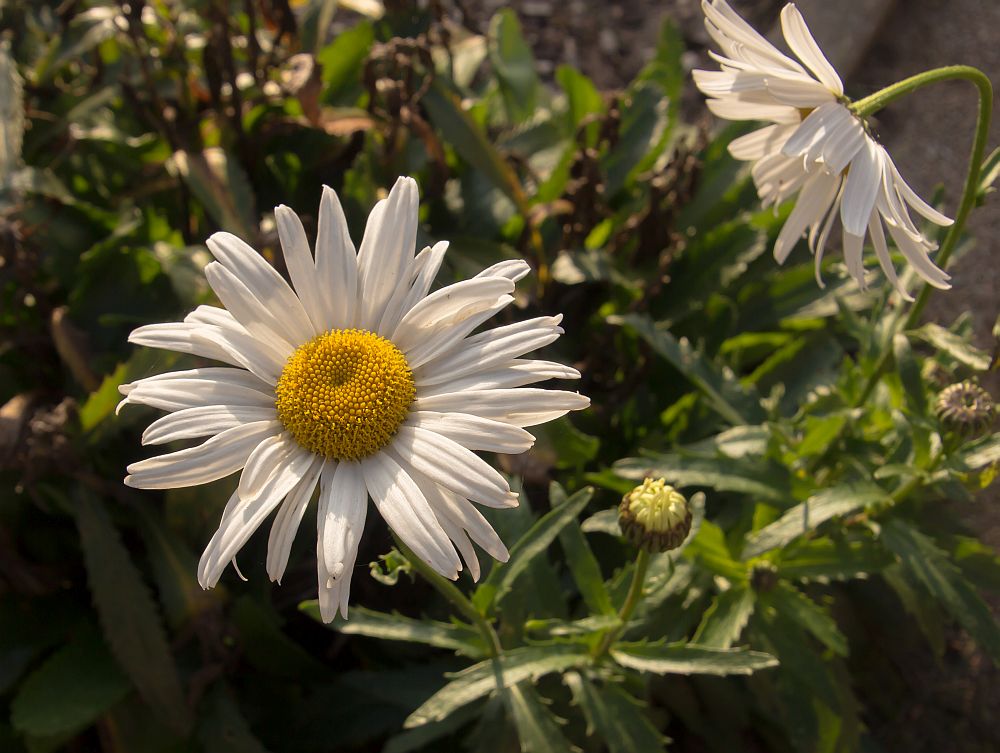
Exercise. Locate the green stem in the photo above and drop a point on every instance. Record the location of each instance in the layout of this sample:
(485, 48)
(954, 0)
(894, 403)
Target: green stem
(874, 103)
(454, 594)
(631, 602)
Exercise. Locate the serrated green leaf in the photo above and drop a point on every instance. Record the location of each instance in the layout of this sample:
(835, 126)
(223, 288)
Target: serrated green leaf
(980, 453)
(808, 515)
(537, 727)
(221, 185)
(757, 478)
(925, 562)
(737, 404)
(909, 373)
(954, 345)
(534, 543)
(514, 66)
(583, 565)
(688, 659)
(397, 627)
(69, 691)
(128, 615)
(823, 560)
(514, 666)
(809, 615)
(725, 619)
(710, 549)
(617, 718)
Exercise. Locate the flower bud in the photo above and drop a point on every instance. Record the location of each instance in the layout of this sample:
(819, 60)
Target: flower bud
(966, 408)
(655, 516)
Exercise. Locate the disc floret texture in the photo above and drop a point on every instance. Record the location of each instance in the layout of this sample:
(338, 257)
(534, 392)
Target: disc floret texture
(815, 148)
(357, 380)
(344, 393)
(654, 516)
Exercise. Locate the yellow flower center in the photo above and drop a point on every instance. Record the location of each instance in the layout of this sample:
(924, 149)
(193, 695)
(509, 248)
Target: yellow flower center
(344, 393)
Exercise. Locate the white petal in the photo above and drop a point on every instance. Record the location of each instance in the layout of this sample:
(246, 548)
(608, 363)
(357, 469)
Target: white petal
(735, 109)
(177, 336)
(286, 522)
(474, 432)
(265, 461)
(863, 183)
(406, 511)
(852, 257)
(516, 373)
(257, 356)
(812, 205)
(245, 516)
(336, 264)
(492, 348)
(526, 406)
(452, 466)
(171, 392)
(263, 323)
(386, 250)
(421, 274)
(884, 259)
(264, 282)
(444, 339)
(814, 128)
(763, 141)
(202, 421)
(464, 514)
(512, 269)
(333, 592)
(800, 93)
(918, 258)
(340, 516)
(843, 141)
(216, 458)
(802, 43)
(449, 306)
(299, 262)
(908, 195)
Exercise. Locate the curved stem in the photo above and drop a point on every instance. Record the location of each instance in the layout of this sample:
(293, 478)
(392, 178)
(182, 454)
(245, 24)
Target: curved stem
(876, 102)
(454, 594)
(631, 602)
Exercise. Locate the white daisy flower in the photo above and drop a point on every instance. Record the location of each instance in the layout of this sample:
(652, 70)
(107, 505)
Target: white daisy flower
(815, 147)
(359, 381)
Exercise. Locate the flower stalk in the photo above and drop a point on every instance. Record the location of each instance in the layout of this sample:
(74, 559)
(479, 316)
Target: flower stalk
(631, 602)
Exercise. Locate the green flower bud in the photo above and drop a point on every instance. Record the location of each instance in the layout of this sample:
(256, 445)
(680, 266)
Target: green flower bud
(966, 408)
(654, 516)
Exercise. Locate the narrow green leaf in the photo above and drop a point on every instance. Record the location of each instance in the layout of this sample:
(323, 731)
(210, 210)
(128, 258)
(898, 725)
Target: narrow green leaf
(617, 718)
(534, 543)
(925, 562)
(808, 614)
(469, 140)
(514, 666)
(725, 619)
(808, 515)
(341, 60)
(688, 659)
(69, 691)
(711, 550)
(980, 453)
(514, 65)
(582, 563)
(737, 404)
(128, 615)
(641, 136)
(537, 728)
(988, 174)
(397, 627)
(954, 346)
(582, 97)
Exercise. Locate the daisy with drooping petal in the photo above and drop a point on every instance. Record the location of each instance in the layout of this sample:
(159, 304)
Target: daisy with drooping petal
(816, 148)
(356, 379)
